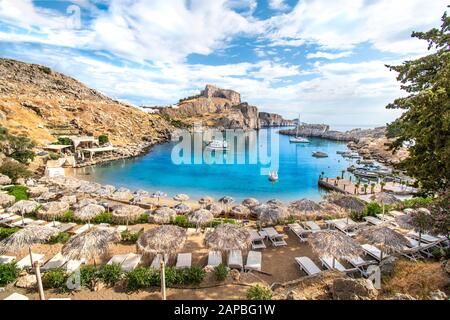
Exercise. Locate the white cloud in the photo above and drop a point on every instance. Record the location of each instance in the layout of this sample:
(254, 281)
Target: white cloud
(278, 5)
(328, 55)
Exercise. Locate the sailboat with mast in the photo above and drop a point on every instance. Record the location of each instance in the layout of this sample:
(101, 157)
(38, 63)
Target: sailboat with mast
(297, 138)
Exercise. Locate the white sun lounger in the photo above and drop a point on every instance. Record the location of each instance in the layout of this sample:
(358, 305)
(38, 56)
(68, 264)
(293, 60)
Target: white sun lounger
(58, 261)
(16, 296)
(395, 213)
(425, 237)
(184, 260)
(5, 215)
(327, 262)
(53, 224)
(312, 225)
(307, 265)
(7, 259)
(344, 227)
(373, 220)
(214, 258)
(118, 259)
(156, 263)
(385, 217)
(26, 263)
(10, 219)
(64, 227)
(299, 231)
(22, 222)
(73, 265)
(254, 260)
(361, 264)
(373, 251)
(82, 229)
(276, 238)
(131, 262)
(235, 259)
(257, 240)
(38, 222)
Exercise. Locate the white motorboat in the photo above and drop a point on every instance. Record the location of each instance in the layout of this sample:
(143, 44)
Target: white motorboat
(273, 176)
(217, 145)
(298, 139)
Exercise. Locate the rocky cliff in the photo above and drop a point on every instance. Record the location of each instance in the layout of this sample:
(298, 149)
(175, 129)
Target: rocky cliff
(222, 109)
(40, 103)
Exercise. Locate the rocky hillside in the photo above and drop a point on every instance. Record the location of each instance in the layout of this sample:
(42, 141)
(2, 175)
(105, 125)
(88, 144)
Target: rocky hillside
(221, 108)
(40, 103)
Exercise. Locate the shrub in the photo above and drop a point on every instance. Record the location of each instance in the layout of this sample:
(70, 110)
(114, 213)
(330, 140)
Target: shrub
(221, 272)
(143, 218)
(417, 202)
(61, 237)
(55, 279)
(53, 155)
(372, 209)
(64, 141)
(141, 278)
(183, 222)
(258, 292)
(19, 192)
(88, 276)
(110, 273)
(217, 222)
(67, 217)
(8, 273)
(23, 156)
(192, 275)
(103, 139)
(14, 170)
(105, 217)
(130, 236)
(6, 232)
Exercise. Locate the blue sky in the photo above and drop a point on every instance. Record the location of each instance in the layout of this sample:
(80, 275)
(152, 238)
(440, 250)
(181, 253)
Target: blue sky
(323, 59)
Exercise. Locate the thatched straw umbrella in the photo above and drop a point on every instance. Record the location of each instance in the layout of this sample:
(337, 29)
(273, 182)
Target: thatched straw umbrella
(181, 197)
(52, 210)
(226, 201)
(351, 203)
(257, 210)
(6, 200)
(122, 196)
(84, 202)
(275, 202)
(204, 201)
(126, 213)
(106, 191)
(419, 220)
(226, 237)
(334, 244)
(165, 240)
(89, 212)
(304, 207)
(215, 209)
(200, 217)
(141, 193)
(240, 211)
(384, 198)
(250, 202)
(273, 215)
(158, 195)
(26, 238)
(24, 207)
(89, 244)
(385, 238)
(182, 208)
(162, 215)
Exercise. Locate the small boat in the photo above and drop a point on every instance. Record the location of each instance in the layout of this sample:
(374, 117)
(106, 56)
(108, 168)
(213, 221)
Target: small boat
(341, 152)
(217, 145)
(351, 168)
(365, 173)
(273, 176)
(298, 139)
(319, 154)
(362, 161)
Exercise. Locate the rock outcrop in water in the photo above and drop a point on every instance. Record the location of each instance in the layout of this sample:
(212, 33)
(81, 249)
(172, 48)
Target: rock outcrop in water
(370, 143)
(267, 119)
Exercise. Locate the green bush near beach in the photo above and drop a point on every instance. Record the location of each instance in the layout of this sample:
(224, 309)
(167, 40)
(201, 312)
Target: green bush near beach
(182, 221)
(416, 202)
(221, 272)
(8, 273)
(19, 192)
(15, 170)
(130, 236)
(110, 274)
(6, 232)
(88, 276)
(61, 237)
(258, 292)
(55, 279)
(141, 278)
(67, 217)
(105, 217)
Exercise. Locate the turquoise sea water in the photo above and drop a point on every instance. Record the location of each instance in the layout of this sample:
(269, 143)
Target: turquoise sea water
(298, 171)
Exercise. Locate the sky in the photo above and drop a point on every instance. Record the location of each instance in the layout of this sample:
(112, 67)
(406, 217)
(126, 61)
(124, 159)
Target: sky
(324, 60)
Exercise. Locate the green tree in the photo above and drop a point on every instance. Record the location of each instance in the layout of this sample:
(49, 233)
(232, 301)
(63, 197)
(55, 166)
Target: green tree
(426, 111)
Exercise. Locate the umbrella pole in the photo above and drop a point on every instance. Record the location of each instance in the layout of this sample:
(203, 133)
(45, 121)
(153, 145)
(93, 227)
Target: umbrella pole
(334, 259)
(37, 269)
(31, 256)
(163, 280)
